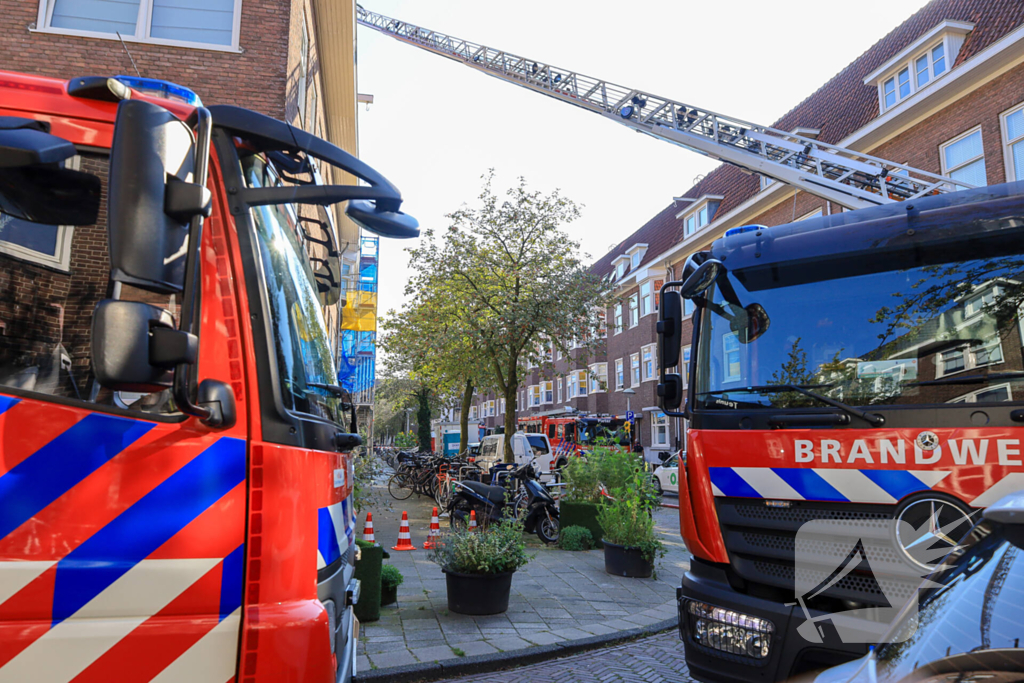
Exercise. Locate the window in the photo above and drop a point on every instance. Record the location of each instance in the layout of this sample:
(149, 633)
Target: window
(570, 386)
(731, 348)
(963, 158)
(649, 365)
(620, 270)
(659, 429)
(491, 406)
(634, 261)
(211, 23)
(598, 378)
(501, 406)
(581, 382)
(472, 412)
(684, 369)
(547, 392)
(701, 213)
(534, 395)
(812, 214)
(969, 356)
(634, 313)
(47, 245)
(976, 304)
(620, 376)
(559, 390)
(997, 394)
(618, 318)
(1013, 143)
(646, 300)
(303, 73)
(926, 67)
(688, 307)
(634, 369)
(691, 225)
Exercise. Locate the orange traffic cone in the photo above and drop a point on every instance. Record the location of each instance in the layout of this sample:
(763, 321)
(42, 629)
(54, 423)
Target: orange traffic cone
(435, 531)
(404, 539)
(368, 529)
(472, 520)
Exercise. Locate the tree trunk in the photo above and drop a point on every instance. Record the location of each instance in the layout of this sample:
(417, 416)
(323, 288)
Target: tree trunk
(423, 420)
(467, 400)
(511, 389)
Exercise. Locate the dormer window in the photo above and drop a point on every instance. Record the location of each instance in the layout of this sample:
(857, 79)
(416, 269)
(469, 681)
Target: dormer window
(699, 214)
(920, 63)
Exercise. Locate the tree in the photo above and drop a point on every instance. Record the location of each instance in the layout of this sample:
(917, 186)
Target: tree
(508, 278)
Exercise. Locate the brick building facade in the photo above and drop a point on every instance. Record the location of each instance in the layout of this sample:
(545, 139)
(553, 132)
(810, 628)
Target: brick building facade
(290, 59)
(943, 92)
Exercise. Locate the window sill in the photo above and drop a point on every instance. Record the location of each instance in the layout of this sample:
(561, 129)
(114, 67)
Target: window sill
(134, 39)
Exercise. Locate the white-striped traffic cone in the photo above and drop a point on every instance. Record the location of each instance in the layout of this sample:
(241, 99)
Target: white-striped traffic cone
(404, 539)
(368, 529)
(472, 520)
(435, 531)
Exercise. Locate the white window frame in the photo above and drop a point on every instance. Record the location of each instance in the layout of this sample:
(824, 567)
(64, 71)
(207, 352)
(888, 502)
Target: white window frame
(811, 214)
(966, 134)
(634, 310)
(649, 362)
(970, 357)
(684, 365)
(302, 88)
(533, 396)
(501, 406)
(646, 300)
(688, 304)
(473, 412)
(547, 392)
(634, 369)
(620, 375)
(582, 379)
(910, 66)
(725, 356)
(698, 216)
(659, 419)
(142, 29)
(972, 397)
(559, 384)
(619, 317)
(598, 376)
(1011, 172)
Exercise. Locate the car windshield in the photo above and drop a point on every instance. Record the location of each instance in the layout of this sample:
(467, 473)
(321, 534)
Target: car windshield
(948, 332)
(301, 341)
(969, 622)
(538, 443)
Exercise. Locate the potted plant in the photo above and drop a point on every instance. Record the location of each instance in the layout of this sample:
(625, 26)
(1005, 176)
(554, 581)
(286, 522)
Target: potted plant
(478, 565)
(583, 477)
(630, 546)
(390, 580)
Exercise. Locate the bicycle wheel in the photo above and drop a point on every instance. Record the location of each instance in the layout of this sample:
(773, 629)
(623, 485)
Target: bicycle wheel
(398, 486)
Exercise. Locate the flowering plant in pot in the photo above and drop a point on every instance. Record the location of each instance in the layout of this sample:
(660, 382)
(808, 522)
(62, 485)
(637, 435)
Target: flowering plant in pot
(630, 545)
(479, 564)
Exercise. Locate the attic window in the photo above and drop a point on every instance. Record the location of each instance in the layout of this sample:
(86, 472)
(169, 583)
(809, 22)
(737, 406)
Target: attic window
(920, 63)
(699, 214)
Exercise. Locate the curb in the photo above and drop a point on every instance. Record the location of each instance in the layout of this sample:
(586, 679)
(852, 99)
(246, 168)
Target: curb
(478, 664)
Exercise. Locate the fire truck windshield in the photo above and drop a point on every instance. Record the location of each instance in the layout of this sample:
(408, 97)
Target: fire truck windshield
(945, 332)
(301, 342)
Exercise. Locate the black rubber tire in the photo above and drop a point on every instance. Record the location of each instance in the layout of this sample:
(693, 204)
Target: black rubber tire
(657, 487)
(547, 530)
(399, 486)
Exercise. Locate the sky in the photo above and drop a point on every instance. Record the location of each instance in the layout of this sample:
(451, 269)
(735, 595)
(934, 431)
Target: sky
(436, 126)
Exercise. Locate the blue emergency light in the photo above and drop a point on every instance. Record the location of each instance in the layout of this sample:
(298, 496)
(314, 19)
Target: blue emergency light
(744, 228)
(156, 87)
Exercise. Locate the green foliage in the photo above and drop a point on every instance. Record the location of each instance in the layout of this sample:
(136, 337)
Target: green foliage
(612, 467)
(364, 544)
(405, 440)
(497, 549)
(628, 521)
(390, 576)
(423, 421)
(575, 538)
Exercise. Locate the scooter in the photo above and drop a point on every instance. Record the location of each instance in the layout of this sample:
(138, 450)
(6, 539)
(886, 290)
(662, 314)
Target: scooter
(492, 503)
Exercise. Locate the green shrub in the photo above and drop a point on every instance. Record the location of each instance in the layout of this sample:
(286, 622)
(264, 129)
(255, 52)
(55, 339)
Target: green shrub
(627, 520)
(575, 538)
(390, 576)
(612, 467)
(497, 549)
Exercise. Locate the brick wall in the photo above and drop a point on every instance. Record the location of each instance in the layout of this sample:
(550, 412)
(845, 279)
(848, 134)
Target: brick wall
(255, 78)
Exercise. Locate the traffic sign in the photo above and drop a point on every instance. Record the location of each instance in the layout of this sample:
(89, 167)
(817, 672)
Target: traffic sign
(630, 415)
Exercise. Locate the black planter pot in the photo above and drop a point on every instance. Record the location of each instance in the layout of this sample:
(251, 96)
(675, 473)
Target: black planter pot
(478, 594)
(620, 560)
(388, 595)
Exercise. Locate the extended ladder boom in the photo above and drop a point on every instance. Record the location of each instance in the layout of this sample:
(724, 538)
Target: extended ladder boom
(837, 174)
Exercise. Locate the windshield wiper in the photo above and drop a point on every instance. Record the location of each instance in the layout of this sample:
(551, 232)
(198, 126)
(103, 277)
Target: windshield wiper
(967, 379)
(805, 389)
(332, 389)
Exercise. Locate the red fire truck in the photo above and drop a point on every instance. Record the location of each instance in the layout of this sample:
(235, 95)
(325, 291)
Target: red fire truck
(572, 433)
(175, 462)
(860, 368)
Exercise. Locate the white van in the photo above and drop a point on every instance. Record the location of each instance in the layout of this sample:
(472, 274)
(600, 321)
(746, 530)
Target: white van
(527, 449)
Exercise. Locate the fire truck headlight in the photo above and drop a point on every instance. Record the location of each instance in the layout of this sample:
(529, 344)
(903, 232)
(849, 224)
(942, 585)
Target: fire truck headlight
(727, 631)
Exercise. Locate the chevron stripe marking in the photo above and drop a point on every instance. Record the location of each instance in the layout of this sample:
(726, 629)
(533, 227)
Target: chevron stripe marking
(214, 533)
(211, 660)
(35, 428)
(731, 484)
(767, 483)
(16, 632)
(809, 484)
(96, 564)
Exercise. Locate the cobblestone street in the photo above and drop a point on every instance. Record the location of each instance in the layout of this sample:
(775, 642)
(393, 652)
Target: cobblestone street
(655, 659)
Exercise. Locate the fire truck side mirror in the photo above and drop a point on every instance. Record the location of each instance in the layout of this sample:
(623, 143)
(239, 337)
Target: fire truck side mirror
(151, 197)
(670, 328)
(135, 346)
(670, 392)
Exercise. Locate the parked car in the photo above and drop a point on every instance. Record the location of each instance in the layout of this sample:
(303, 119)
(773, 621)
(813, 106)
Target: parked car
(666, 475)
(967, 628)
(527, 449)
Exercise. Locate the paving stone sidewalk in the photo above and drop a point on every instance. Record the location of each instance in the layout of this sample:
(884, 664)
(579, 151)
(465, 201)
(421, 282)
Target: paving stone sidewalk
(559, 596)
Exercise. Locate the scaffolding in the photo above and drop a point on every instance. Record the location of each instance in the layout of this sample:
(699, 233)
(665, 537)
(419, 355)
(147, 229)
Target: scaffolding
(358, 349)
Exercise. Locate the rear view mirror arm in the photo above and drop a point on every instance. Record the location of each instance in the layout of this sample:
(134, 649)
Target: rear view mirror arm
(322, 195)
(183, 371)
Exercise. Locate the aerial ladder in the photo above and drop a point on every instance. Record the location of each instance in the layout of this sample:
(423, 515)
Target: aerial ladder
(837, 174)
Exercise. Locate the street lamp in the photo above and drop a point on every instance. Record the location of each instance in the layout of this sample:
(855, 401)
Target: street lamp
(407, 411)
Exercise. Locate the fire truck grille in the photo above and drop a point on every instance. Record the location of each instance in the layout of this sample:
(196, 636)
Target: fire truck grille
(761, 544)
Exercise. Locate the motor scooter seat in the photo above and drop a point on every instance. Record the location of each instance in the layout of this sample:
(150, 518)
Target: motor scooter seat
(495, 494)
